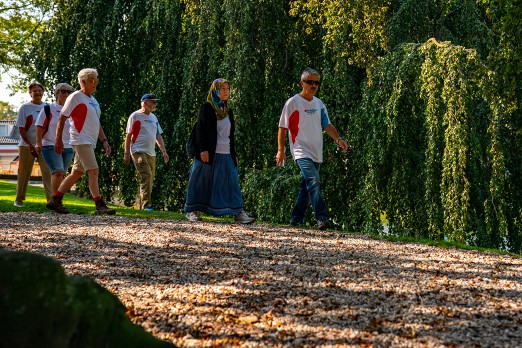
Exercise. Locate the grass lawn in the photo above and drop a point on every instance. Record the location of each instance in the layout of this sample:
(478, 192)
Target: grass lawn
(35, 202)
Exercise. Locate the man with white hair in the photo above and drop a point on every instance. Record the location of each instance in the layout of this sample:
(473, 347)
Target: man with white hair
(83, 113)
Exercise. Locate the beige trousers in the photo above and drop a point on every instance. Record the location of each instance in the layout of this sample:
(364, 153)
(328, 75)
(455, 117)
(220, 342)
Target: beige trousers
(146, 167)
(25, 167)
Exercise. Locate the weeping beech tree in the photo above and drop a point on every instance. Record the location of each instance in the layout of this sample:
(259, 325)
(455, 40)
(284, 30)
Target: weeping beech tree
(424, 91)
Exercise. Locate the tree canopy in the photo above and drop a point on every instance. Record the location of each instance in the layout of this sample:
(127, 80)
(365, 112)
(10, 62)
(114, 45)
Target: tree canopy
(425, 92)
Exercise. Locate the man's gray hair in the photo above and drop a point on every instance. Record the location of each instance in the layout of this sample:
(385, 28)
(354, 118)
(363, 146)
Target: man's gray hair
(309, 72)
(35, 83)
(61, 86)
(87, 73)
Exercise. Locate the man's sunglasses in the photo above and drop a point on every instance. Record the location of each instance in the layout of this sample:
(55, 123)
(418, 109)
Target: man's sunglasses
(311, 82)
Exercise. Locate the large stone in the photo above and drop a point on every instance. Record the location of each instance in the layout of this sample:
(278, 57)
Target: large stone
(40, 306)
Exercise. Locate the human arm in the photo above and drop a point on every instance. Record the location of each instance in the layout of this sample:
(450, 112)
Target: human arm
(103, 138)
(332, 132)
(202, 131)
(126, 154)
(58, 143)
(281, 155)
(161, 144)
(39, 136)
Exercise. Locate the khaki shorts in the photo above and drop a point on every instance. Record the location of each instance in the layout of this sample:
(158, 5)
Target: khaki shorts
(84, 159)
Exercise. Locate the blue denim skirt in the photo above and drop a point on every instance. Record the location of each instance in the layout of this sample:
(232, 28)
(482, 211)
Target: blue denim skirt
(214, 189)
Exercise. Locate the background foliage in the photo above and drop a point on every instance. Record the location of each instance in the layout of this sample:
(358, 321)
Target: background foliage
(424, 91)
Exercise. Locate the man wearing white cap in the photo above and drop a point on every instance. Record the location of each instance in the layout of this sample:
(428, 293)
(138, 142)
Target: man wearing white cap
(143, 133)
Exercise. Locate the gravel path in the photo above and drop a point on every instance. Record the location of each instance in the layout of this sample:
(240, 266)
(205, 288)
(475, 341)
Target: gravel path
(220, 285)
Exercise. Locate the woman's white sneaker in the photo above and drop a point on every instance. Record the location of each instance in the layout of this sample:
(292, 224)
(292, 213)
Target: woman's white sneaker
(243, 218)
(193, 216)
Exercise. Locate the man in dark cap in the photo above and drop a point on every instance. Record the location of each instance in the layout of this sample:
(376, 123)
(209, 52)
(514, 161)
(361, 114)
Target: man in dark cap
(143, 133)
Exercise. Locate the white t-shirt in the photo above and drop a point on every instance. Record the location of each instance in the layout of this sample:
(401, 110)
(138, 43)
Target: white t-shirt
(84, 118)
(305, 121)
(27, 116)
(144, 129)
(223, 136)
(50, 136)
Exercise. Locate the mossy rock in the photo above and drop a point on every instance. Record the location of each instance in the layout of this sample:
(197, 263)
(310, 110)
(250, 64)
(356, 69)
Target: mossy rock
(40, 306)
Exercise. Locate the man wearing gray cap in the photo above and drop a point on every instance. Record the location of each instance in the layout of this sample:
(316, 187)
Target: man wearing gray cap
(143, 133)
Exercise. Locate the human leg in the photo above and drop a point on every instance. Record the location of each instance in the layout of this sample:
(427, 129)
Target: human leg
(46, 177)
(144, 169)
(199, 188)
(301, 204)
(310, 173)
(55, 163)
(25, 167)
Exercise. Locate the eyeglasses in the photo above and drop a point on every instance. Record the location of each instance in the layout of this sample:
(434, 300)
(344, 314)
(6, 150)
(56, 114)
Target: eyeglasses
(64, 91)
(311, 82)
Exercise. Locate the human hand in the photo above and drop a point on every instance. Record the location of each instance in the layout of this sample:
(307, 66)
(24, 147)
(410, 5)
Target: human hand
(107, 148)
(204, 156)
(33, 151)
(342, 144)
(58, 146)
(280, 158)
(165, 157)
(126, 158)
(38, 148)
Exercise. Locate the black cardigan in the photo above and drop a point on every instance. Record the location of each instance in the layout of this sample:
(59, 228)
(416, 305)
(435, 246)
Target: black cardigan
(206, 133)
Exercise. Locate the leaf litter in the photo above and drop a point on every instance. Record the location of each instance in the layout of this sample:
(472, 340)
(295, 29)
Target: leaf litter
(211, 284)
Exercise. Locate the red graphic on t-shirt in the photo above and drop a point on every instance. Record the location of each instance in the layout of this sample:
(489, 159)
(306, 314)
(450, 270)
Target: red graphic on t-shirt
(136, 126)
(293, 125)
(28, 122)
(78, 115)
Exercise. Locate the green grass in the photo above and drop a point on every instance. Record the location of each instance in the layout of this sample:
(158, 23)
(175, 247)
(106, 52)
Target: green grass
(35, 202)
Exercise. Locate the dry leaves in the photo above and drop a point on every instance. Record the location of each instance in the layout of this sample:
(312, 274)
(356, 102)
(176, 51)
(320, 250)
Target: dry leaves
(223, 285)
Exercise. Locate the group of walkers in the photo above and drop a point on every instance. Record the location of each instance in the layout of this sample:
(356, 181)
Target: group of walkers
(69, 127)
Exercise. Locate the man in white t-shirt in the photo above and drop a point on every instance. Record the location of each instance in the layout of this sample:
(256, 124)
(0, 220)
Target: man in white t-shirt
(305, 117)
(27, 153)
(143, 133)
(82, 111)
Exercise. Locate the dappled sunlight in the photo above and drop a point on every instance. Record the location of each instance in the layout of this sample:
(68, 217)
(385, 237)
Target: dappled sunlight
(206, 283)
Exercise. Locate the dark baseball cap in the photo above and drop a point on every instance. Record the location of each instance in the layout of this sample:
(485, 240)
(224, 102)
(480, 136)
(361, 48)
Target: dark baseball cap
(149, 97)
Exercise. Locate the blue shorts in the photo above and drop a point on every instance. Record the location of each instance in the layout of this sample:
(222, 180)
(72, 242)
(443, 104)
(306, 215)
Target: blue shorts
(56, 162)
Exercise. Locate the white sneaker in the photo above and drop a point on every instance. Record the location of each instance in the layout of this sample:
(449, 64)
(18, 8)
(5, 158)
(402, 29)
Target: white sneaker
(193, 216)
(19, 204)
(243, 218)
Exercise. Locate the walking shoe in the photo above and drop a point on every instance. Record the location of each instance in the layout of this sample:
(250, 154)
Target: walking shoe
(322, 224)
(103, 209)
(243, 218)
(193, 216)
(19, 204)
(297, 223)
(55, 203)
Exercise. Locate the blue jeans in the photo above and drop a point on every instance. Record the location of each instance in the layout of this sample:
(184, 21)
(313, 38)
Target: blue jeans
(309, 191)
(56, 162)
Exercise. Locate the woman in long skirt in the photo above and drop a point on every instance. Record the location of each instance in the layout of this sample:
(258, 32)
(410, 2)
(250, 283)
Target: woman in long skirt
(213, 186)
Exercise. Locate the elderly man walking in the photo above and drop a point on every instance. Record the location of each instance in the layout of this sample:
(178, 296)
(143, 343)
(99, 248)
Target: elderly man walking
(305, 117)
(143, 133)
(82, 111)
